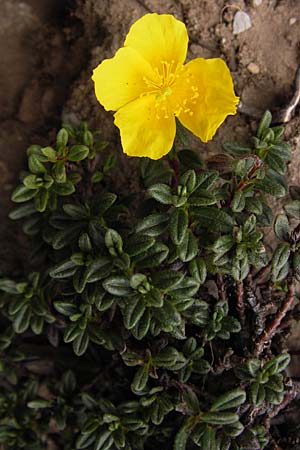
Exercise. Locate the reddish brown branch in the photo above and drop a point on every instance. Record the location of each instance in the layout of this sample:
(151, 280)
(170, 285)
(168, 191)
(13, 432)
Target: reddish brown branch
(272, 328)
(240, 304)
(221, 287)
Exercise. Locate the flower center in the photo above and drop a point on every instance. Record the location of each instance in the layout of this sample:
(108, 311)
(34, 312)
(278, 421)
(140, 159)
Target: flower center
(173, 88)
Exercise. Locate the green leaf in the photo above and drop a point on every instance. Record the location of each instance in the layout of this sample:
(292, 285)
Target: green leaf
(190, 400)
(214, 219)
(133, 311)
(271, 186)
(168, 316)
(84, 243)
(254, 205)
(253, 366)
(35, 165)
(223, 244)
(166, 279)
(23, 194)
(257, 393)
(178, 225)
(138, 244)
(98, 269)
(118, 285)
(283, 361)
(154, 256)
(80, 343)
(50, 153)
(161, 407)
(229, 400)
(188, 249)
(153, 225)
(280, 260)
(41, 200)
(181, 439)
(22, 319)
(22, 211)
(185, 289)
(249, 226)
(140, 379)
(104, 202)
(8, 286)
(202, 197)
(273, 397)
(219, 418)
(197, 268)
(240, 268)
(235, 429)
(141, 328)
(209, 439)
(65, 269)
(90, 426)
(283, 149)
(65, 308)
(113, 242)
(236, 149)
(162, 193)
(282, 227)
(64, 189)
(62, 138)
(154, 298)
(292, 209)
(78, 152)
(104, 440)
(170, 358)
(206, 179)
(59, 172)
(85, 441)
(188, 179)
(39, 404)
(264, 123)
(276, 161)
(238, 202)
(77, 212)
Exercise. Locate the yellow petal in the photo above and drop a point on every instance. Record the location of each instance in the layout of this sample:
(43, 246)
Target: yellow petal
(121, 79)
(143, 131)
(159, 37)
(216, 100)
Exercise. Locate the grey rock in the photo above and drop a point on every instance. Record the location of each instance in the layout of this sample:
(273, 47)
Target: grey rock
(241, 22)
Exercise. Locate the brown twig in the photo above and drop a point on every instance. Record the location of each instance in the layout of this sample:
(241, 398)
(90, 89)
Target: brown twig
(271, 329)
(221, 287)
(240, 304)
(260, 276)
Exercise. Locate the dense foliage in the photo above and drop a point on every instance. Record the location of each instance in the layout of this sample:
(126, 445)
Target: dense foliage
(154, 319)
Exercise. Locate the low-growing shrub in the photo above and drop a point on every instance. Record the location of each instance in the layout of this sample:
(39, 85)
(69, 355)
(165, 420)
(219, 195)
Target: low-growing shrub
(151, 319)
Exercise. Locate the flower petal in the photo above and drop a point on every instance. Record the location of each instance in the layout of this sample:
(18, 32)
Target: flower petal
(143, 132)
(216, 99)
(121, 79)
(159, 37)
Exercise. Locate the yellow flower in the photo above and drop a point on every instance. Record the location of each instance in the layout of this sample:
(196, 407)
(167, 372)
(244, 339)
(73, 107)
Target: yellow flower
(148, 85)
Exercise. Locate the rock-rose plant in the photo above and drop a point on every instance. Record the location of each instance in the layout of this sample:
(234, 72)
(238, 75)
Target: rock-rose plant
(154, 319)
